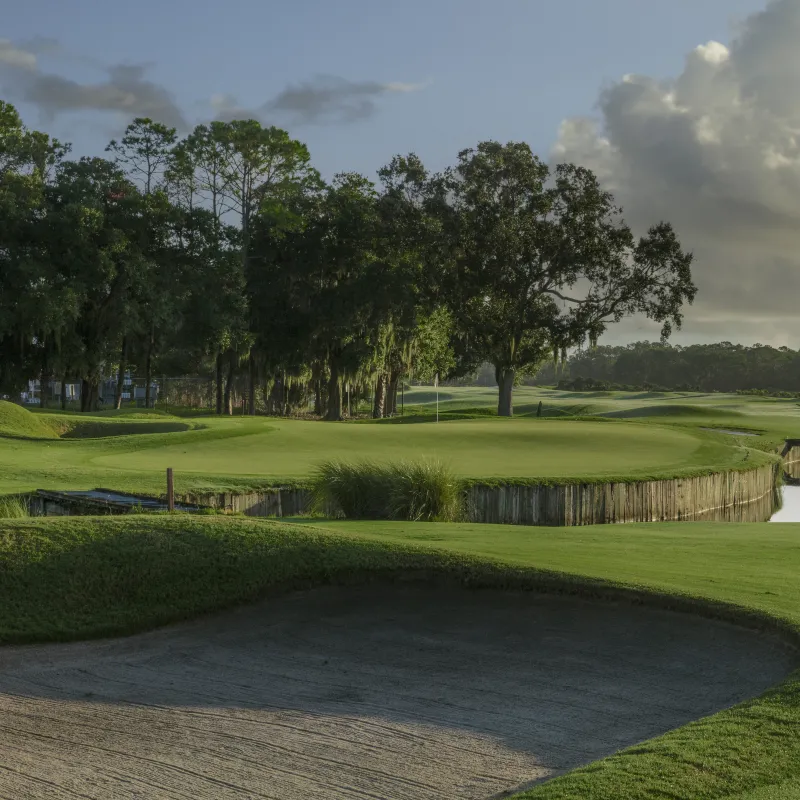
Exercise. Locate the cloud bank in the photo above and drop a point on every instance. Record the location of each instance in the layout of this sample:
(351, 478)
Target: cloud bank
(125, 90)
(716, 151)
(326, 99)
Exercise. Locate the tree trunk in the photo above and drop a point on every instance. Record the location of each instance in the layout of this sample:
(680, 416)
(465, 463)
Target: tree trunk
(334, 412)
(123, 365)
(505, 384)
(44, 390)
(228, 401)
(251, 398)
(88, 395)
(148, 369)
(391, 397)
(219, 382)
(64, 392)
(379, 404)
(319, 409)
(274, 399)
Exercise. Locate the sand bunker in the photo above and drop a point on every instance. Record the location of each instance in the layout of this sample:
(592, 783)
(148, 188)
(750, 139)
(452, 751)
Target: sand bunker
(396, 692)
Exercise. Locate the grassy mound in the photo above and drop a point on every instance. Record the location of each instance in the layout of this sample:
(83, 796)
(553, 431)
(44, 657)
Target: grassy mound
(98, 429)
(18, 422)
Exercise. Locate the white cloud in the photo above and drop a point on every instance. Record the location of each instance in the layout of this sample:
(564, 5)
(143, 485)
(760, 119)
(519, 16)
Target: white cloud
(713, 52)
(716, 151)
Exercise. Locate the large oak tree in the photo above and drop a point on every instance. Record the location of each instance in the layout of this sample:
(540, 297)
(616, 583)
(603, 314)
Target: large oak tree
(531, 261)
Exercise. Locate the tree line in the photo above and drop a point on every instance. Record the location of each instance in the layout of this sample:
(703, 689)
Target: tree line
(719, 367)
(225, 254)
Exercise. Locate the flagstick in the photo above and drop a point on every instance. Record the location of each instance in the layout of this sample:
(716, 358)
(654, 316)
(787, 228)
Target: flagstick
(437, 396)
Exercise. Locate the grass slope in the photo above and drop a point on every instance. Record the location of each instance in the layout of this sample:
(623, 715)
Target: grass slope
(246, 453)
(18, 422)
(79, 577)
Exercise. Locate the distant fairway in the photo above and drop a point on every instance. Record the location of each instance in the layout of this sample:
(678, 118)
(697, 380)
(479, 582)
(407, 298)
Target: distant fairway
(244, 452)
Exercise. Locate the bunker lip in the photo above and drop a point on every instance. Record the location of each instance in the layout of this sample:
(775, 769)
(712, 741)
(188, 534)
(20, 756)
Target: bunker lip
(415, 692)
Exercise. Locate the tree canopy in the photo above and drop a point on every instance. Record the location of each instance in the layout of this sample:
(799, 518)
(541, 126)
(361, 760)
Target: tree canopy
(224, 258)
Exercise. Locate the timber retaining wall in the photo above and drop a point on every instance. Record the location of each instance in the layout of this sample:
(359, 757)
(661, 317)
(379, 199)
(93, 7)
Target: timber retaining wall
(744, 496)
(791, 459)
(749, 496)
(277, 502)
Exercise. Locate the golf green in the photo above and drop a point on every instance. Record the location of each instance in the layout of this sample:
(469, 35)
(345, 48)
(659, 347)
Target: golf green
(241, 453)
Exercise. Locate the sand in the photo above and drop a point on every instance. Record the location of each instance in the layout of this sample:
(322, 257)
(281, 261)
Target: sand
(406, 693)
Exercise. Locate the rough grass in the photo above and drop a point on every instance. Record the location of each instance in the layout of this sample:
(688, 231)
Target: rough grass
(13, 508)
(405, 490)
(78, 577)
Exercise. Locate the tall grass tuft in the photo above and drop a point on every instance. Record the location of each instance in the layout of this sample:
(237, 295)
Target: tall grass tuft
(13, 508)
(354, 490)
(425, 491)
(406, 490)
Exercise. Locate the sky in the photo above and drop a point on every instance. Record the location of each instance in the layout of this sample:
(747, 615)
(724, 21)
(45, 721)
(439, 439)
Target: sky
(688, 110)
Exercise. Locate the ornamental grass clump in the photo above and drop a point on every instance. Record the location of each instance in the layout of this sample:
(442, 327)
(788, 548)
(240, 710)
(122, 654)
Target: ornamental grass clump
(353, 490)
(425, 491)
(406, 490)
(13, 508)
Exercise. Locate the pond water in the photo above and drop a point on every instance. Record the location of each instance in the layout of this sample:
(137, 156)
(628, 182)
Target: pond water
(791, 506)
(729, 432)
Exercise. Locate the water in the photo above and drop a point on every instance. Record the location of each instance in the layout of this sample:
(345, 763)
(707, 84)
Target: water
(791, 506)
(730, 433)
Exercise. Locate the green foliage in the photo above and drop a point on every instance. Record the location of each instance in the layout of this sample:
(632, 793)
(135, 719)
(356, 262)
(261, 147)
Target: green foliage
(13, 508)
(514, 242)
(433, 346)
(145, 150)
(425, 490)
(759, 370)
(342, 289)
(409, 490)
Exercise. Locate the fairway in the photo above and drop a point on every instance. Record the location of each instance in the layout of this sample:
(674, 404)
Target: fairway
(248, 452)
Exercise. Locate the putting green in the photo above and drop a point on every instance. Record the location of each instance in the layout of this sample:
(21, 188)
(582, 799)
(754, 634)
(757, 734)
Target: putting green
(249, 452)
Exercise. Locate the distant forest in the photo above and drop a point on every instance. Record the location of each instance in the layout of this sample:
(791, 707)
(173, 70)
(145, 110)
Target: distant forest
(722, 367)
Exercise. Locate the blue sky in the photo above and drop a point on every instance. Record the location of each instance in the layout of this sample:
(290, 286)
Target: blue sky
(509, 69)
(703, 131)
